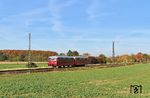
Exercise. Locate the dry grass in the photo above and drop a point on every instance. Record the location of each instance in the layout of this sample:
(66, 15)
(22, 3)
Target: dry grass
(21, 62)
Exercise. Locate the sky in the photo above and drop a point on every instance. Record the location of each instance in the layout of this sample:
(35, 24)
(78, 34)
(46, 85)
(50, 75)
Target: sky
(82, 25)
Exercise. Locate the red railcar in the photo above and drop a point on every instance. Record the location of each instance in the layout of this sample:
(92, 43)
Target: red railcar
(80, 60)
(57, 61)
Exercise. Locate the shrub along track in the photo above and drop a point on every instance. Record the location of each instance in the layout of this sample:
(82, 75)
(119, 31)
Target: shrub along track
(33, 70)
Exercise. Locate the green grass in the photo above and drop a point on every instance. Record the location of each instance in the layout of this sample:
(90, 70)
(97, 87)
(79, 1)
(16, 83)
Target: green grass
(92, 83)
(16, 66)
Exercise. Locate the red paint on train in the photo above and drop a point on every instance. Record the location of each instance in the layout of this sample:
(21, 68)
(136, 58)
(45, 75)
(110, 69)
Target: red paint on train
(67, 60)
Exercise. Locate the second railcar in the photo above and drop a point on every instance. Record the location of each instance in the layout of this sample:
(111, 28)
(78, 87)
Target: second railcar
(80, 60)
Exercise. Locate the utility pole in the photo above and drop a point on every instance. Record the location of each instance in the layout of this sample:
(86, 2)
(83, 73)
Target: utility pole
(113, 52)
(29, 51)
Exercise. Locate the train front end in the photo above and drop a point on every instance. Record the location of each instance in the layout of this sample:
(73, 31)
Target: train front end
(52, 61)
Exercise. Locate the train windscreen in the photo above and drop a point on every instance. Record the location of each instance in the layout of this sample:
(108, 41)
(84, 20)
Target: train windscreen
(52, 59)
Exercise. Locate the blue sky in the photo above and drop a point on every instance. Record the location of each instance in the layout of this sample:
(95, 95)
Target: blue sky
(82, 25)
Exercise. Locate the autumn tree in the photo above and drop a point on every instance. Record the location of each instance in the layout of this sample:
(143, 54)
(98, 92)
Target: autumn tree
(102, 59)
(69, 53)
(124, 59)
(92, 60)
(62, 54)
(3, 57)
(109, 60)
(146, 57)
(22, 57)
(75, 53)
(139, 57)
(72, 53)
(86, 54)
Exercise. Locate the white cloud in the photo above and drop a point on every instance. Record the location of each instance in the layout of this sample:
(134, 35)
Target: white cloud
(92, 10)
(24, 17)
(99, 9)
(16, 27)
(56, 7)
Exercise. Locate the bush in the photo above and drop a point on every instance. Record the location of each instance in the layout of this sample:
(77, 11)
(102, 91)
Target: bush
(32, 65)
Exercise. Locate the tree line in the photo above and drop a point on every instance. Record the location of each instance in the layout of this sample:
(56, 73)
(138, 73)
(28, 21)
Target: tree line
(42, 56)
(22, 55)
(120, 59)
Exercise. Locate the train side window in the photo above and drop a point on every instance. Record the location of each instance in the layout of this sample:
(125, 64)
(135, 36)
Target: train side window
(63, 59)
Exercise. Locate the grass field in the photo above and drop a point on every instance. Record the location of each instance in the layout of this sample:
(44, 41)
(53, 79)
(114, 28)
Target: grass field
(92, 83)
(16, 65)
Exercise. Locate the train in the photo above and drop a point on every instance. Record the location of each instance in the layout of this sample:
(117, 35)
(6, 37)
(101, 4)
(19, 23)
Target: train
(70, 61)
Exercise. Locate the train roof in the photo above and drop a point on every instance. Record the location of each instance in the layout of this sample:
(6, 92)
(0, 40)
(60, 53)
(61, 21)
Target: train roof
(67, 57)
(60, 57)
(79, 57)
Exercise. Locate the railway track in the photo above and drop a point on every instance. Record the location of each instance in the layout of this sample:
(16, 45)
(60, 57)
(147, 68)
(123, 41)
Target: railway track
(34, 70)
